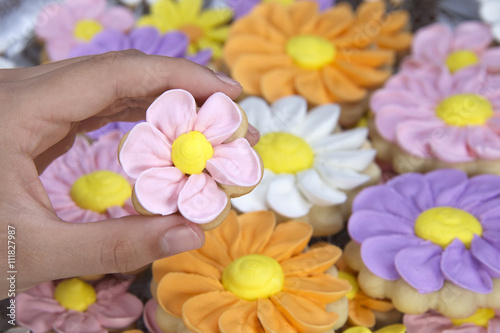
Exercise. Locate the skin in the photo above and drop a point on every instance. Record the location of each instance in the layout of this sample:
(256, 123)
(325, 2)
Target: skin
(42, 109)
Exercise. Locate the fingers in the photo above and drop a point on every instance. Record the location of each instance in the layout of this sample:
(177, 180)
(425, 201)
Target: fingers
(82, 89)
(117, 245)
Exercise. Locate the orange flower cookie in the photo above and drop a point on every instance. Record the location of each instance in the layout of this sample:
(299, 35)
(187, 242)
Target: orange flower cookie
(251, 276)
(327, 57)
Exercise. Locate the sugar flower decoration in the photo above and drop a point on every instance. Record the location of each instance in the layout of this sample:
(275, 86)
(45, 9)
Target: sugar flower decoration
(147, 40)
(327, 57)
(431, 231)
(75, 306)
(439, 117)
(489, 12)
(362, 307)
(206, 28)
(306, 164)
(396, 328)
(87, 184)
(466, 45)
(179, 157)
(242, 8)
(62, 26)
(121, 126)
(149, 316)
(483, 321)
(251, 276)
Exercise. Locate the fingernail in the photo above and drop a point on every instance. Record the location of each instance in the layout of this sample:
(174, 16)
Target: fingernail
(181, 238)
(226, 79)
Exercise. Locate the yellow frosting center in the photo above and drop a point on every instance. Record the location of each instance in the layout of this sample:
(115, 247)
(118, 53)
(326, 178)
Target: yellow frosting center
(461, 59)
(441, 225)
(100, 190)
(311, 52)
(191, 151)
(284, 152)
(352, 281)
(396, 328)
(253, 276)
(480, 318)
(283, 2)
(74, 294)
(464, 109)
(87, 29)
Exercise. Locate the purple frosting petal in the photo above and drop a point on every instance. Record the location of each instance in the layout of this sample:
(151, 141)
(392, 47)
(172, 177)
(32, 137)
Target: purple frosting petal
(461, 268)
(415, 188)
(491, 222)
(324, 4)
(493, 237)
(447, 185)
(145, 39)
(364, 224)
(241, 7)
(202, 57)
(486, 254)
(420, 267)
(384, 199)
(480, 188)
(378, 254)
(123, 126)
(173, 44)
(487, 210)
(108, 40)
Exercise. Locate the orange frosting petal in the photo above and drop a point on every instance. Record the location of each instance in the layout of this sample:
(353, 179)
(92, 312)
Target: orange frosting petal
(214, 251)
(256, 229)
(304, 15)
(249, 69)
(340, 87)
(370, 12)
(362, 75)
(278, 83)
(398, 42)
(323, 288)
(186, 262)
(372, 303)
(256, 25)
(395, 21)
(335, 20)
(368, 58)
(246, 43)
(201, 313)
(305, 315)
(316, 260)
(310, 85)
(360, 316)
(271, 319)
(175, 289)
(278, 16)
(289, 239)
(228, 232)
(241, 318)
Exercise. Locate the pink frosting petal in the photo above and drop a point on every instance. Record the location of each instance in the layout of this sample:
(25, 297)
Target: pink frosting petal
(173, 113)
(452, 145)
(490, 59)
(54, 22)
(379, 253)
(59, 49)
(398, 97)
(86, 9)
(475, 36)
(420, 267)
(145, 147)
(494, 324)
(447, 186)
(157, 189)
(121, 311)
(381, 224)
(118, 18)
(473, 79)
(78, 322)
(429, 322)
(235, 163)
(431, 44)
(389, 117)
(416, 136)
(484, 142)
(462, 269)
(487, 254)
(201, 201)
(149, 316)
(218, 118)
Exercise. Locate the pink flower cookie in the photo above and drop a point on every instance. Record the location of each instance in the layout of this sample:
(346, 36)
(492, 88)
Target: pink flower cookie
(426, 120)
(63, 26)
(75, 306)
(190, 161)
(468, 44)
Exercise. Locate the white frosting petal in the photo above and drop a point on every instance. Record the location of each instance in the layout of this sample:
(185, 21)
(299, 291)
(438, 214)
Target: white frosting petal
(258, 113)
(320, 122)
(489, 11)
(341, 178)
(495, 29)
(284, 197)
(347, 140)
(352, 159)
(317, 191)
(288, 112)
(255, 200)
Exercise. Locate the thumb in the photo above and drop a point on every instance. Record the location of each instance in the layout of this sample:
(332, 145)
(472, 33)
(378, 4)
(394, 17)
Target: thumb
(123, 244)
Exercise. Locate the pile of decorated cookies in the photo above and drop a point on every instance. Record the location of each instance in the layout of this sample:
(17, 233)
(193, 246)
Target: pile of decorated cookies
(364, 127)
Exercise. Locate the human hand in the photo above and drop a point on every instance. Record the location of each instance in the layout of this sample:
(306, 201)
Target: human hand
(42, 109)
